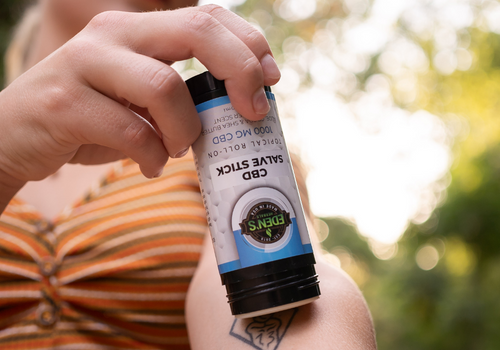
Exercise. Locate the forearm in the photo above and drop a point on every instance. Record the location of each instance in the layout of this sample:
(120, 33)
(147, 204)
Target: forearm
(338, 320)
(8, 189)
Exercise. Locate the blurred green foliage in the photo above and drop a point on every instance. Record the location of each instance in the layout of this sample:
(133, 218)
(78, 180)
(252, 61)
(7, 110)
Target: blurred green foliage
(453, 305)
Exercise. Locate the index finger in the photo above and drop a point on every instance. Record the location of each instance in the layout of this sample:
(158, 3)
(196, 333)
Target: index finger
(252, 37)
(194, 32)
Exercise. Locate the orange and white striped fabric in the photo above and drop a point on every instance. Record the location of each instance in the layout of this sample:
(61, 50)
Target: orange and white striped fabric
(110, 273)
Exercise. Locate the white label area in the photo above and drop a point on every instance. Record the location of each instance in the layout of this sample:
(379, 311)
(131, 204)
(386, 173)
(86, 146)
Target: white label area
(244, 166)
(242, 170)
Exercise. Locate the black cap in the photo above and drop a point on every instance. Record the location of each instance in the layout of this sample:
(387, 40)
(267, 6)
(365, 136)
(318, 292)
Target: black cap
(204, 87)
(271, 284)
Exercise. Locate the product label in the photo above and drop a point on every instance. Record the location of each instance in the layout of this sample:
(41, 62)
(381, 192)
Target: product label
(239, 171)
(253, 206)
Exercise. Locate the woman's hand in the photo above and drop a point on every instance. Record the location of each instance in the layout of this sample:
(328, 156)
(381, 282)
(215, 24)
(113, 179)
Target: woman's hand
(110, 93)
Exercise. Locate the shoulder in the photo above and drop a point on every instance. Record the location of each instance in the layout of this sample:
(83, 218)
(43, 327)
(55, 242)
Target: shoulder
(339, 319)
(341, 313)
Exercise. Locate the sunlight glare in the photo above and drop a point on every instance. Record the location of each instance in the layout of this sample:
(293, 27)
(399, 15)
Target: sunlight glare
(427, 257)
(372, 169)
(295, 10)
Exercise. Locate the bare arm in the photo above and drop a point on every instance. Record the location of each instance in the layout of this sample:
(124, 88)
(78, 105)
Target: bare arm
(338, 320)
(8, 189)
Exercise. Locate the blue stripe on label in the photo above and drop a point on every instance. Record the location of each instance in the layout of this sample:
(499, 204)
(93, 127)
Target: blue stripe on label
(224, 100)
(216, 102)
(230, 266)
(236, 264)
(250, 255)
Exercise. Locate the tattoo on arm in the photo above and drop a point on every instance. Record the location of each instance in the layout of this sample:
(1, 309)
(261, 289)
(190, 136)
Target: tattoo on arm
(263, 332)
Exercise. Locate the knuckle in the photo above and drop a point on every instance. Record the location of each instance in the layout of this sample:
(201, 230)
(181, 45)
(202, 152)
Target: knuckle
(251, 66)
(212, 9)
(254, 38)
(78, 48)
(164, 81)
(104, 20)
(199, 21)
(58, 99)
(107, 26)
(59, 102)
(137, 134)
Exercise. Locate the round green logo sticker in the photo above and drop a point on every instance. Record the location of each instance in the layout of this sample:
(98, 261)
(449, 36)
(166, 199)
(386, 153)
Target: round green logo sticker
(265, 222)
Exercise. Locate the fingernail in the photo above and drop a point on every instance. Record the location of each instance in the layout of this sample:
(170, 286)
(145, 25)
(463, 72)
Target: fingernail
(181, 153)
(160, 173)
(270, 67)
(260, 103)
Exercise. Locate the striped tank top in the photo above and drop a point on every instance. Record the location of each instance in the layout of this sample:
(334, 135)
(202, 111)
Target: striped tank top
(111, 272)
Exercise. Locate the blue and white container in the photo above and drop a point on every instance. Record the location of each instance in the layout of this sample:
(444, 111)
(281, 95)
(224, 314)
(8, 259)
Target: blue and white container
(254, 212)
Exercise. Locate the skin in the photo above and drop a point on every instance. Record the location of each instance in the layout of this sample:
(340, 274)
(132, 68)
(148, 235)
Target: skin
(100, 88)
(113, 78)
(338, 320)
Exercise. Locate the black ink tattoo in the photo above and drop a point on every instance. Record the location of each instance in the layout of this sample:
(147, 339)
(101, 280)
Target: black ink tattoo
(263, 332)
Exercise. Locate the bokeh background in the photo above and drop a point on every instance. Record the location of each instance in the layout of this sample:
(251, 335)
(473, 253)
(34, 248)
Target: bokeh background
(394, 108)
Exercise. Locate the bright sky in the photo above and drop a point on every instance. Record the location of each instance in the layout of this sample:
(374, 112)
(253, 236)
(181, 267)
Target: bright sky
(372, 162)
